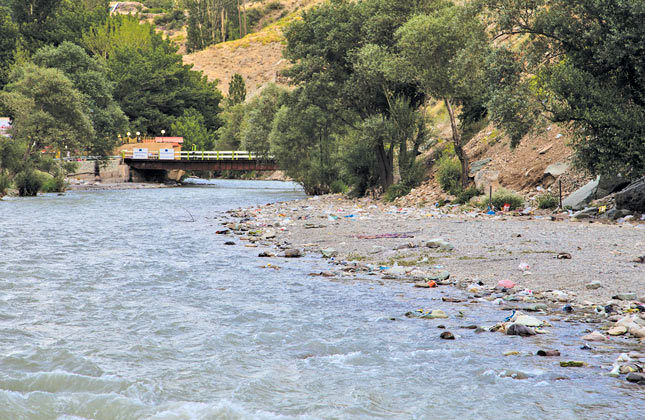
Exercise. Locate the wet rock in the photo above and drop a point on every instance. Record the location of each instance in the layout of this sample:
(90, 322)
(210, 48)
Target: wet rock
(595, 336)
(548, 353)
(436, 314)
(593, 285)
(572, 363)
(447, 335)
(514, 374)
(229, 243)
(563, 256)
(625, 296)
(265, 254)
(521, 330)
(629, 368)
(292, 253)
(567, 308)
(451, 300)
(619, 330)
(511, 353)
(536, 308)
(526, 320)
(636, 377)
(480, 330)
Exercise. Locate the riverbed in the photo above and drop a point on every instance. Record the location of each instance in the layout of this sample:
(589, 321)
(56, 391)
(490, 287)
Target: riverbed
(127, 305)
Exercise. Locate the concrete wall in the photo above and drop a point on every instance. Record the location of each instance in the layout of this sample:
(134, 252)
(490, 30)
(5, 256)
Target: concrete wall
(114, 171)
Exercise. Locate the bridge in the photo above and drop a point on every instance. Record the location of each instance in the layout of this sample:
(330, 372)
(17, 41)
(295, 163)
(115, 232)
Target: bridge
(168, 160)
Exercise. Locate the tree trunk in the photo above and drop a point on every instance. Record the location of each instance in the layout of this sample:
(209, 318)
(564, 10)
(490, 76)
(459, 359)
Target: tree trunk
(246, 30)
(456, 140)
(385, 166)
(239, 18)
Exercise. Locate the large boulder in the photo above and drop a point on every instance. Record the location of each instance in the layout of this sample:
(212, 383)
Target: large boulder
(556, 169)
(632, 197)
(486, 178)
(582, 196)
(600, 187)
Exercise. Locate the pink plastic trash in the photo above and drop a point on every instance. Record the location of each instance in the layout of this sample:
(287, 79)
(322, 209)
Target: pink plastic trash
(506, 284)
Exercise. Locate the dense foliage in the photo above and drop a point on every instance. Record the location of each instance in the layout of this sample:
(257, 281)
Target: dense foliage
(73, 78)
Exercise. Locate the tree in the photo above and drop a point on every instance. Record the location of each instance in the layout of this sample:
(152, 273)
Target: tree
(9, 36)
(46, 22)
(236, 89)
(440, 52)
(153, 87)
(585, 64)
(229, 134)
(90, 78)
(259, 118)
(191, 126)
(48, 115)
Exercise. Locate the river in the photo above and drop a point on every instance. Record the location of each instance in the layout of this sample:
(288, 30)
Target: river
(127, 305)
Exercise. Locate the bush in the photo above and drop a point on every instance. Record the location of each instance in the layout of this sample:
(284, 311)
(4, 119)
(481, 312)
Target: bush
(547, 201)
(5, 183)
(449, 175)
(338, 187)
(464, 196)
(503, 196)
(395, 191)
(54, 184)
(28, 183)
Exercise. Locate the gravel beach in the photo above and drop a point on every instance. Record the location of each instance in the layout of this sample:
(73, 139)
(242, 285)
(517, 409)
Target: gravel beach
(531, 251)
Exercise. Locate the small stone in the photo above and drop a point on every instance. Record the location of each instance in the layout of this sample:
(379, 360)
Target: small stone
(629, 369)
(594, 336)
(572, 363)
(292, 253)
(548, 353)
(440, 244)
(619, 330)
(265, 254)
(564, 256)
(593, 285)
(441, 276)
(519, 329)
(528, 321)
(511, 353)
(329, 252)
(536, 308)
(229, 243)
(625, 296)
(447, 335)
(436, 314)
(636, 377)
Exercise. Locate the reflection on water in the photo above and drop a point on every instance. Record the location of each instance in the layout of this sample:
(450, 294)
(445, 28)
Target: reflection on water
(125, 304)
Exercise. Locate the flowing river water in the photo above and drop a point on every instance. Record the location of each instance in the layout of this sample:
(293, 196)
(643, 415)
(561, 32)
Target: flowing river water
(126, 305)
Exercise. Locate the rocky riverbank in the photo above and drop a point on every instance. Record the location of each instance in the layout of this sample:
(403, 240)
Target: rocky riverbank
(579, 270)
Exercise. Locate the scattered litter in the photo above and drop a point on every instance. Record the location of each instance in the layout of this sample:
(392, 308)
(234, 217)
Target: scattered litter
(385, 235)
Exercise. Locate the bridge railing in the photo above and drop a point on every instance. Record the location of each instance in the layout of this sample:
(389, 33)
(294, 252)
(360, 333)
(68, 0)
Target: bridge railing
(194, 155)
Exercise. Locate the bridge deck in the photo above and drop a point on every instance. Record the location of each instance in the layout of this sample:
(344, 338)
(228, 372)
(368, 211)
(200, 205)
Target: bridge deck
(167, 159)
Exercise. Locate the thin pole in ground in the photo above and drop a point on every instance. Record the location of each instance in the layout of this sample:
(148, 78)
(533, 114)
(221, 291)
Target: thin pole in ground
(560, 192)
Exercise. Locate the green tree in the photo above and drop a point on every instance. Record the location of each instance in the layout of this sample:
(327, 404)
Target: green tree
(46, 22)
(586, 66)
(258, 121)
(236, 89)
(442, 52)
(90, 78)
(302, 142)
(153, 87)
(229, 134)
(9, 37)
(191, 126)
(48, 115)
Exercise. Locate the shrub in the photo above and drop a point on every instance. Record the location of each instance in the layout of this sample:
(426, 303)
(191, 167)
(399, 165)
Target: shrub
(5, 183)
(449, 175)
(547, 201)
(54, 184)
(338, 187)
(464, 196)
(503, 196)
(395, 191)
(28, 182)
